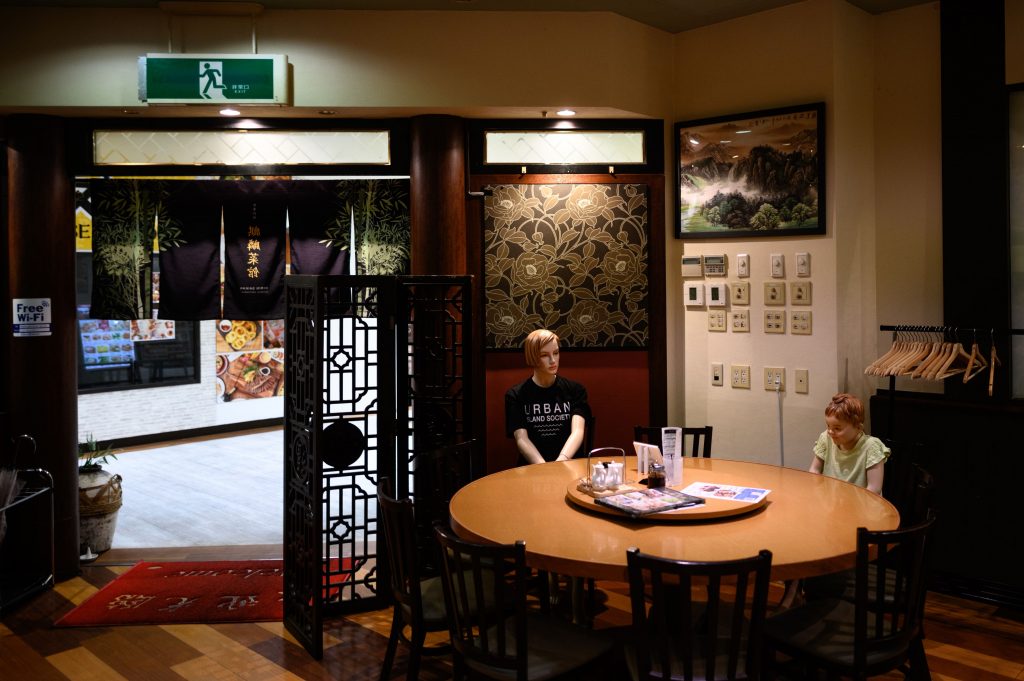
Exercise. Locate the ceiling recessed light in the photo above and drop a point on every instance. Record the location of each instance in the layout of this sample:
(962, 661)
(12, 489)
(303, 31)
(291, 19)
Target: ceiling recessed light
(566, 112)
(742, 132)
(230, 112)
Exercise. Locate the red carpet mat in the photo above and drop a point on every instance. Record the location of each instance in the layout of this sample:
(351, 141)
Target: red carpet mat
(189, 592)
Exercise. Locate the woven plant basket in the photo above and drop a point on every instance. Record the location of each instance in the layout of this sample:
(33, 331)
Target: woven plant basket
(99, 499)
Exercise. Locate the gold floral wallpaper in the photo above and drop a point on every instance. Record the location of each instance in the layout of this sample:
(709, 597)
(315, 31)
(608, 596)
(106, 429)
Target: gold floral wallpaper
(567, 257)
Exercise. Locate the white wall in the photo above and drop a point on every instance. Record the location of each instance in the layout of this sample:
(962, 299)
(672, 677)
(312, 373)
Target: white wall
(771, 59)
(130, 413)
(882, 179)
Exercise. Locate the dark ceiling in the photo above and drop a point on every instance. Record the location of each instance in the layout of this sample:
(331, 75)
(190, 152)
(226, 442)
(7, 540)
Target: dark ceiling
(669, 15)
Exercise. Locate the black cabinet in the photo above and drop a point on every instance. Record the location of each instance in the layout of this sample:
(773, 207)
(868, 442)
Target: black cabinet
(26, 550)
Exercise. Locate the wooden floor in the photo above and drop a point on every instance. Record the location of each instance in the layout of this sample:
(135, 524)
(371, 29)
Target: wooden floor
(967, 641)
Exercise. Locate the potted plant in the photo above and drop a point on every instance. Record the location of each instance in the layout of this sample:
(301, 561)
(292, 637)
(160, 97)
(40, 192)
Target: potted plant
(99, 498)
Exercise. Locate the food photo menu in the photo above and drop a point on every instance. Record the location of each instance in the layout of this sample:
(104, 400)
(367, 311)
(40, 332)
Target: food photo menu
(106, 343)
(250, 359)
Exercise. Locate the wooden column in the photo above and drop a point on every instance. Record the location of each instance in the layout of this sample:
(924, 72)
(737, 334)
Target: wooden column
(975, 143)
(438, 195)
(41, 383)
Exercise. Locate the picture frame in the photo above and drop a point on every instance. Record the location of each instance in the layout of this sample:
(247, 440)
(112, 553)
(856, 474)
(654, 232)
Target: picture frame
(754, 174)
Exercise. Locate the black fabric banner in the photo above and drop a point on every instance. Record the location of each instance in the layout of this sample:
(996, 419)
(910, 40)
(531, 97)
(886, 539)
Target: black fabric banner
(317, 228)
(254, 219)
(190, 252)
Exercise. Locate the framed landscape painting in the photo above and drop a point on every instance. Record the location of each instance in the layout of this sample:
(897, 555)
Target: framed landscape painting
(755, 174)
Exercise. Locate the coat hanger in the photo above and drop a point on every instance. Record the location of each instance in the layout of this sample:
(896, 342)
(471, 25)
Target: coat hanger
(976, 364)
(958, 359)
(992, 362)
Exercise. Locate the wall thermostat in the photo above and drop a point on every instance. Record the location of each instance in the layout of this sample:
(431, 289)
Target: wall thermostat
(714, 265)
(693, 292)
(692, 266)
(716, 296)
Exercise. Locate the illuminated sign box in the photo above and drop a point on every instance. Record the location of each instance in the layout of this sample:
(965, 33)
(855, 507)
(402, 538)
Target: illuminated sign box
(213, 79)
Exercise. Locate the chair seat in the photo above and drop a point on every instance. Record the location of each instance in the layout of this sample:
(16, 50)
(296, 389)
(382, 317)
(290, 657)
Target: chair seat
(843, 585)
(432, 602)
(824, 630)
(555, 647)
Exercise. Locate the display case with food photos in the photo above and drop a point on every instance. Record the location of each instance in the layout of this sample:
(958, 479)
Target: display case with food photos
(106, 343)
(250, 359)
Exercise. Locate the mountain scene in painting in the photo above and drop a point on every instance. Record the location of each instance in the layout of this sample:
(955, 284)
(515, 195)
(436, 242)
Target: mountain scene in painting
(758, 174)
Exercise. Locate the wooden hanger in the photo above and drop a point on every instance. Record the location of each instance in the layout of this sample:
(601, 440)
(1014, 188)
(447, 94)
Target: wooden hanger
(976, 364)
(951, 367)
(992, 362)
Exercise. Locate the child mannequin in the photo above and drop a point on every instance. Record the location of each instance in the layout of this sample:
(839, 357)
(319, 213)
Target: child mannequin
(846, 452)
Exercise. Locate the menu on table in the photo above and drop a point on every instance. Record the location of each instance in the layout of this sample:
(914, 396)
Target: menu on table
(713, 490)
(646, 501)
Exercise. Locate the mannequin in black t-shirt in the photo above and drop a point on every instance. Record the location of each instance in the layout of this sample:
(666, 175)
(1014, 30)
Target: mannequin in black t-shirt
(546, 414)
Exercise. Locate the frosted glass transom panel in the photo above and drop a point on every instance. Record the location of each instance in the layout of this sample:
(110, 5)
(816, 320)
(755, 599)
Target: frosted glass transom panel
(234, 147)
(564, 147)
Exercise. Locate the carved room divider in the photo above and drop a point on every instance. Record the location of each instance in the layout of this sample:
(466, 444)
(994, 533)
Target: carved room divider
(377, 373)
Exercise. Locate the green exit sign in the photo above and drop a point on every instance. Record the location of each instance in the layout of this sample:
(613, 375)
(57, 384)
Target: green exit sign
(213, 78)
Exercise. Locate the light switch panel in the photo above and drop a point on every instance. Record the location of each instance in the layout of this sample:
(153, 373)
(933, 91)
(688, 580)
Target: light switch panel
(774, 293)
(742, 265)
(740, 321)
(739, 293)
(775, 321)
(803, 264)
(800, 322)
(716, 320)
(800, 292)
(778, 265)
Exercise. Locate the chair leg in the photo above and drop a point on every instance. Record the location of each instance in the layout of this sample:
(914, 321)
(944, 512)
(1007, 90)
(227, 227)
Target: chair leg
(919, 661)
(415, 653)
(389, 653)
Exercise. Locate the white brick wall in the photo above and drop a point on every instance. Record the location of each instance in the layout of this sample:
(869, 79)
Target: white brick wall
(130, 413)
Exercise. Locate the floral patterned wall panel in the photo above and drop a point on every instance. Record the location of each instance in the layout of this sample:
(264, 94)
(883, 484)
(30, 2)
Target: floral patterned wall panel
(567, 257)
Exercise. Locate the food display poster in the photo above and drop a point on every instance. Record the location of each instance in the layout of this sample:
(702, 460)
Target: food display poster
(106, 343)
(152, 330)
(250, 359)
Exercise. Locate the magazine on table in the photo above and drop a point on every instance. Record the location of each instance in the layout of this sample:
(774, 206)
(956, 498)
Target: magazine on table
(713, 490)
(645, 501)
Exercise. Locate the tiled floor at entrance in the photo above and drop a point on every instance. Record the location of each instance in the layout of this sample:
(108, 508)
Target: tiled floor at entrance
(209, 492)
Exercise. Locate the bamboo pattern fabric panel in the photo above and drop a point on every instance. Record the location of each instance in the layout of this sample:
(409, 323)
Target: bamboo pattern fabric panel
(568, 257)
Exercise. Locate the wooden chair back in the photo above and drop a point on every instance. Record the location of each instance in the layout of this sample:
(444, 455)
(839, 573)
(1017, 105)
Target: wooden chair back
(698, 620)
(889, 593)
(700, 439)
(480, 599)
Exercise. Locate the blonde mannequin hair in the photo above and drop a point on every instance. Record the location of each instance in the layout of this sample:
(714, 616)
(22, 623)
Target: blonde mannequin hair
(533, 344)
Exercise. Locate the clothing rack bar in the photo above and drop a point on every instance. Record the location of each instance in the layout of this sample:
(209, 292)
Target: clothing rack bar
(949, 328)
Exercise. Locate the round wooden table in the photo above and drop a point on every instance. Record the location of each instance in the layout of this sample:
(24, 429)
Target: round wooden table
(809, 522)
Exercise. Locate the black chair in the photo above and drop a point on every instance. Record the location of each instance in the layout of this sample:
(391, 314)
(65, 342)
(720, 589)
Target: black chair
(493, 633)
(419, 603)
(915, 505)
(678, 636)
(652, 435)
(879, 630)
(439, 473)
